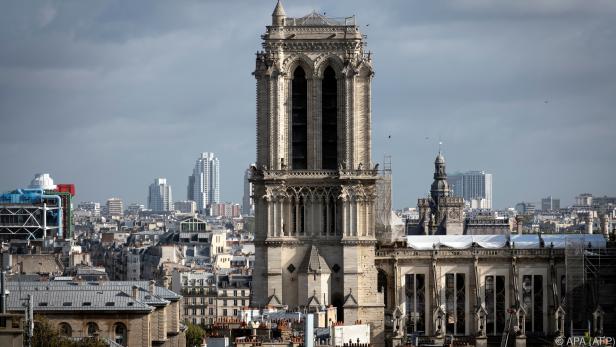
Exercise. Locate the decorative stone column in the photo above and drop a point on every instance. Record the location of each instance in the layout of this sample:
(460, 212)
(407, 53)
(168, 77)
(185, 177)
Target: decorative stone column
(481, 317)
(520, 339)
(439, 321)
(598, 316)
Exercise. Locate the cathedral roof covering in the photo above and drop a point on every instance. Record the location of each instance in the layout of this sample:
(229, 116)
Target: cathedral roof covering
(526, 241)
(316, 19)
(314, 263)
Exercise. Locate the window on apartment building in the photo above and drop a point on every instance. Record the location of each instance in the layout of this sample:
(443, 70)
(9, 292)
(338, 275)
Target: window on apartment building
(455, 303)
(202, 311)
(211, 310)
(194, 311)
(495, 304)
(243, 302)
(532, 299)
(224, 302)
(235, 312)
(202, 300)
(235, 293)
(243, 292)
(235, 302)
(224, 312)
(415, 285)
(186, 312)
(210, 300)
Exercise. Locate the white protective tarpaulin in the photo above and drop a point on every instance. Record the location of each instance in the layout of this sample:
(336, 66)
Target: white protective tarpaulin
(422, 242)
(525, 241)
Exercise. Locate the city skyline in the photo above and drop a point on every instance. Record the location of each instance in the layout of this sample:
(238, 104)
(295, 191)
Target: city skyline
(507, 87)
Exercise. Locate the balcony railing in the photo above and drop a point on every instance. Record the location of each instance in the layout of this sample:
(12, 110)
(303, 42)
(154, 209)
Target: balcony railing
(471, 252)
(270, 174)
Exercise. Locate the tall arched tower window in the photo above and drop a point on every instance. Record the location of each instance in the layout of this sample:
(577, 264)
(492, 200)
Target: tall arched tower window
(299, 120)
(329, 123)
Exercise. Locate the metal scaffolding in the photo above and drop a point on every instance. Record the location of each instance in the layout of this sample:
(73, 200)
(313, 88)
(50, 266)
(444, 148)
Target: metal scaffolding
(589, 286)
(30, 222)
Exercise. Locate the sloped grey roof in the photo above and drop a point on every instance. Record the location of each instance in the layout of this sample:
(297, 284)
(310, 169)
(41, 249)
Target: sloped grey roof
(57, 299)
(316, 19)
(314, 263)
(161, 295)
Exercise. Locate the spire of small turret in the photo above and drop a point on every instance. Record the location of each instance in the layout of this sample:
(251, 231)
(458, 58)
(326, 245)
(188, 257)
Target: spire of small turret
(279, 15)
(440, 187)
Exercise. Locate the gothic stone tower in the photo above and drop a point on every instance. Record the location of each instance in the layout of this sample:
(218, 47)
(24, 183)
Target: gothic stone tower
(441, 213)
(314, 182)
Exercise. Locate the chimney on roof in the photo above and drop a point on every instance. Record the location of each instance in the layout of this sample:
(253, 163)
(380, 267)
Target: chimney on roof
(519, 221)
(605, 225)
(589, 222)
(3, 294)
(135, 291)
(166, 282)
(152, 286)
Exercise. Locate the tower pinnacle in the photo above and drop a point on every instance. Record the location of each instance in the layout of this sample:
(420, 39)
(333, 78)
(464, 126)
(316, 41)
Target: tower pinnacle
(439, 186)
(278, 15)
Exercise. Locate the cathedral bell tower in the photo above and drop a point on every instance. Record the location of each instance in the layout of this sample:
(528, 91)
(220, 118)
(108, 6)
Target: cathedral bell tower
(314, 181)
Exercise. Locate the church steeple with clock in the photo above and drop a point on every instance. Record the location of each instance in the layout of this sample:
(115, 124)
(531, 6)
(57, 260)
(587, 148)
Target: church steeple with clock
(441, 213)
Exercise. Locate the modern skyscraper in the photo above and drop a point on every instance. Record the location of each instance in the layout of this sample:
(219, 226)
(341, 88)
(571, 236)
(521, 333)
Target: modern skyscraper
(205, 181)
(550, 204)
(190, 191)
(314, 187)
(248, 206)
(115, 207)
(159, 196)
(472, 185)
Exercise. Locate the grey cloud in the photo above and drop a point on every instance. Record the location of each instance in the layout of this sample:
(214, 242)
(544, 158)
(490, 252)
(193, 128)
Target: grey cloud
(110, 94)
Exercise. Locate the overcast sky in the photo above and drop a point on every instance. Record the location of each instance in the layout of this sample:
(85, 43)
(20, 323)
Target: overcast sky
(111, 94)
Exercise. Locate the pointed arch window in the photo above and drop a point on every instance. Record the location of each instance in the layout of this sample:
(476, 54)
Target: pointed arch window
(299, 120)
(329, 100)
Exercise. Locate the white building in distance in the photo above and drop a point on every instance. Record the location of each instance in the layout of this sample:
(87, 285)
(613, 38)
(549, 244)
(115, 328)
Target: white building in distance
(474, 186)
(248, 206)
(205, 181)
(115, 207)
(159, 196)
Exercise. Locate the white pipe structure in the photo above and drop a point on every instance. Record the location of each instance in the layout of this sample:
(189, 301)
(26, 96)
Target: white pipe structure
(309, 330)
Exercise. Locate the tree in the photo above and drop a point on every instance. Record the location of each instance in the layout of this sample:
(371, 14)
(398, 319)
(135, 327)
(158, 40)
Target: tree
(194, 335)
